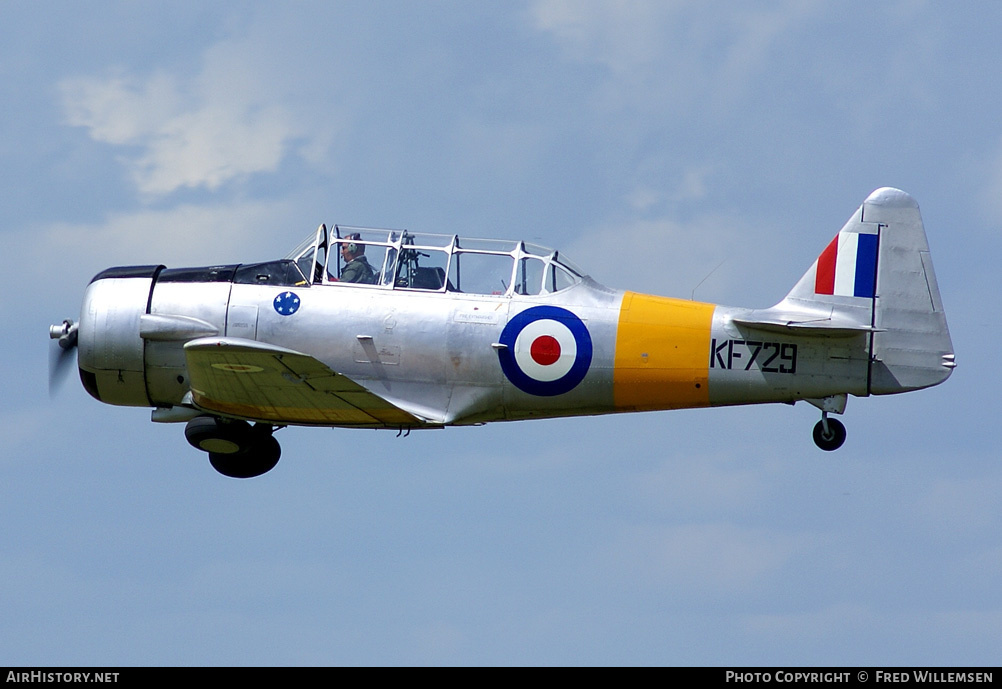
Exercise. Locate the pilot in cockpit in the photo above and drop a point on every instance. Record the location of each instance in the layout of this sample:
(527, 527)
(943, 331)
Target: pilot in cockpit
(356, 267)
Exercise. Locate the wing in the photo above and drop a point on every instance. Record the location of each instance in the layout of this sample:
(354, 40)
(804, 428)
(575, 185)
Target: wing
(262, 382)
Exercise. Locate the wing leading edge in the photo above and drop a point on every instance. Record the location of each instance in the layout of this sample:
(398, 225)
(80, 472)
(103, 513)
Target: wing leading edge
(261, 382)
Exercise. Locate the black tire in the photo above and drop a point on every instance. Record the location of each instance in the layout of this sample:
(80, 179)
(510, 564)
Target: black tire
(210, 434)
(835, 437)
(258, 458)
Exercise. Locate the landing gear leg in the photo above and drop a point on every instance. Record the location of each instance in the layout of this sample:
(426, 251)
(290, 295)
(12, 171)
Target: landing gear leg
(829, 434)
(236, 449)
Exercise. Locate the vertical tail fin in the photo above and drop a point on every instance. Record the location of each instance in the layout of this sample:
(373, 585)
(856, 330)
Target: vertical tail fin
(875, 280)
(839, 289)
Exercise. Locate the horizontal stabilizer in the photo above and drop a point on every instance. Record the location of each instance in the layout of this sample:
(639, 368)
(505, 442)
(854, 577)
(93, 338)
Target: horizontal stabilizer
(797, 324)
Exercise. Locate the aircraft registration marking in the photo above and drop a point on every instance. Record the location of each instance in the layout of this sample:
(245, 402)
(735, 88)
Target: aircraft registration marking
(768, 357)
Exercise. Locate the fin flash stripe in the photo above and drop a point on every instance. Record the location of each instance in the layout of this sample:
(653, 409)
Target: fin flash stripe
(848, 266)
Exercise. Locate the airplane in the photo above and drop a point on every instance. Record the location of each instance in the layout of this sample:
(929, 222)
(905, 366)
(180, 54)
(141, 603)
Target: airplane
(440, 330)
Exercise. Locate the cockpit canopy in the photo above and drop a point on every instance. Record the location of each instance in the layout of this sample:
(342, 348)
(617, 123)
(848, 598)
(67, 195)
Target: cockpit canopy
(397, 259)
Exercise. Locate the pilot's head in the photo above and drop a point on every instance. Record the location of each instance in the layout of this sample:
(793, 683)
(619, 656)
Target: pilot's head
(351, 248)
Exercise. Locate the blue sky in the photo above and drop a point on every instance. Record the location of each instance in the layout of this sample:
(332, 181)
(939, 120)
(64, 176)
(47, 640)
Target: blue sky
(650, 141)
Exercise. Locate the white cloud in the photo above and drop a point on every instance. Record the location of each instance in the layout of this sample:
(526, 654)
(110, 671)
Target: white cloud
(621, 35)
(683, 47)
(228, 121)
(119, 109)
(184, 235)
(712, 257)
(691, 187)
(211, 145)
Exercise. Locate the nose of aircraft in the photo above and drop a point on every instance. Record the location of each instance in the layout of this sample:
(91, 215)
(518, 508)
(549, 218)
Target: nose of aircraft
(110, 348)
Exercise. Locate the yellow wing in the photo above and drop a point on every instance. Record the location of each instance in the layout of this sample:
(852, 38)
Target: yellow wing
(262, 382)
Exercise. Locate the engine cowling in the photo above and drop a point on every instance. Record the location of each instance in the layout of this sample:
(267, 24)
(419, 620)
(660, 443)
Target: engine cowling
(110, 354)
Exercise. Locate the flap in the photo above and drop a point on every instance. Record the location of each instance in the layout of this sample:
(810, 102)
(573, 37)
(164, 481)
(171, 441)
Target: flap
(263, 382)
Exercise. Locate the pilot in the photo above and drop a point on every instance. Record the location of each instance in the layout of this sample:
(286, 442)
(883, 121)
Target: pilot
(356, 268)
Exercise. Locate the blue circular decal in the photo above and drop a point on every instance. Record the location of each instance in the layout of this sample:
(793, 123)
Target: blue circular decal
(286, 303)
(547, 351)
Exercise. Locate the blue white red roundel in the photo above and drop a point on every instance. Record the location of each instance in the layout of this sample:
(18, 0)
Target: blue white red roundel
(548, 351)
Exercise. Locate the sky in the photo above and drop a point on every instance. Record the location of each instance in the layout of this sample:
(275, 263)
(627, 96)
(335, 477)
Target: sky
(706, 149)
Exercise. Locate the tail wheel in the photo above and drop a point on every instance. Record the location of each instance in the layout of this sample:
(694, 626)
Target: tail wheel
(831, 439)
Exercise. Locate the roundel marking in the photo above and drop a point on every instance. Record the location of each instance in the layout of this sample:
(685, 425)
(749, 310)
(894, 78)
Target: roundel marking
(286, 303)
(547, 351)
(238, 368)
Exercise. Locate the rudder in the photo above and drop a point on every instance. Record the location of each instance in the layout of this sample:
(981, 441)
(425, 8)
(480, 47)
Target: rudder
(911, 346)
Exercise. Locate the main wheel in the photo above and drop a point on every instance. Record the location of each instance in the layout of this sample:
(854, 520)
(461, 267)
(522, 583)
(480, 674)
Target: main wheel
(210, 434)
(257, 459)
(236, 449)
(833, 439)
